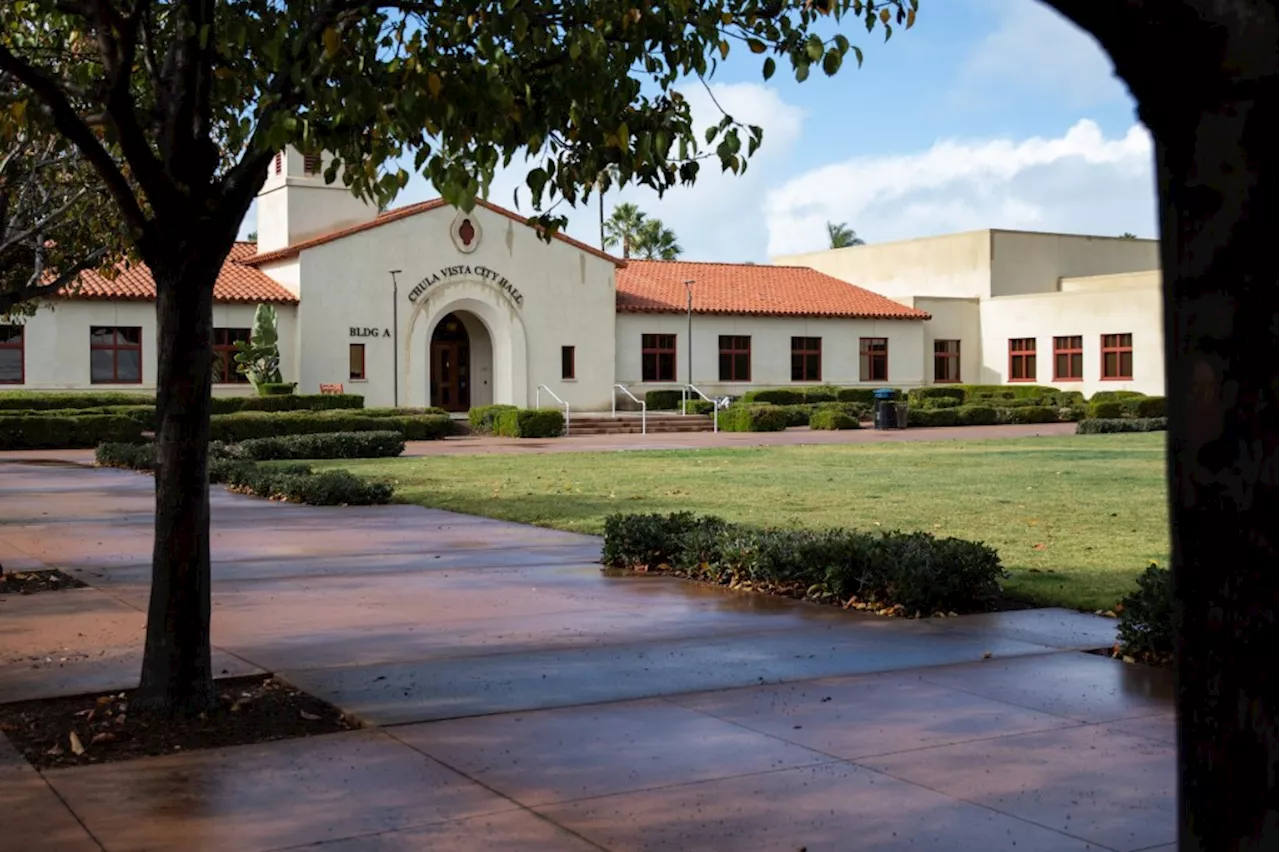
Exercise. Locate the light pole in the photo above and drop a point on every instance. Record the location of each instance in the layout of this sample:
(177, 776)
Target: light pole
(395, 337)
(688, 289)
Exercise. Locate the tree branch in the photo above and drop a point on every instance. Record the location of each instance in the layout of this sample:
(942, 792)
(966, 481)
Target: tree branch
(11, 299)
(74, 129)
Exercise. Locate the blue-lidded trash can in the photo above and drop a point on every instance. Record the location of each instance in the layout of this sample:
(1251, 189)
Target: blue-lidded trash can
(886, 412)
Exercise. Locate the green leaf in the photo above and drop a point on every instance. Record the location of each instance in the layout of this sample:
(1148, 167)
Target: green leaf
(831, 62)
(802, 72)
(536, 180)
(711, 133)
(769, 67)
(756, 45)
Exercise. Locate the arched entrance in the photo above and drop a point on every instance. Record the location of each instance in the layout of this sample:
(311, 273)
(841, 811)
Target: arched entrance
(461, 362)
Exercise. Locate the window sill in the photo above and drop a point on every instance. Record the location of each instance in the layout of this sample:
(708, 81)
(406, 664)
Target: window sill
(1021, 381)
(1116, 379)
(357, 381)
(568, 381)
(1068, 378)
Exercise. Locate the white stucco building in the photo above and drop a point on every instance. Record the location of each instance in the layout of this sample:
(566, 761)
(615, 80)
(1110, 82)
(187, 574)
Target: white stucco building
(427, 305)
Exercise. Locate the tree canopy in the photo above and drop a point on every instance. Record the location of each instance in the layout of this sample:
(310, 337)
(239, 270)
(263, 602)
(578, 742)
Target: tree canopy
(655, 241)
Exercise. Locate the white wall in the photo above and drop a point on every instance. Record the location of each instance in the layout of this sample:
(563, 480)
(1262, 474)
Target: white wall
(952, 319)
(1024, 262)
(308, 209)
(57, 342)
(567, 300)
(957, 265)
(1121, 304)
(770, 349)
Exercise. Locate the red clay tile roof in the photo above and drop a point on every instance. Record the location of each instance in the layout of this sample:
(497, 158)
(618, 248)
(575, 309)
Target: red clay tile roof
(657, 286)
(403, 213)
(237, 282)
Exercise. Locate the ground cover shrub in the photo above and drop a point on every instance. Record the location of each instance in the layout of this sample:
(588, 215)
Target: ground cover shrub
(699, 406)
(1019, 391)
(403, 412)
(822, 393)
(1106, 410)
(299, 484)
(481, 417)
(916, 571)
(59, 400)
(795, 415)
(324, 445)
(754, 418)
(529, 423)
(830, 418)
(1146, 406)
(1103, 426)
(276, 388)
(1032, 414)
(859, 411)
(1145, 626)
(934, 402)
(246, 425)
(663, 400)
(776, 396)
(865, 396)
(42, 431)
(128, 456)
(956, 392)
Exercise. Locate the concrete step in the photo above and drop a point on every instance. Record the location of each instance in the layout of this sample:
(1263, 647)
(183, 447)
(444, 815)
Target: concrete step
(629, 424)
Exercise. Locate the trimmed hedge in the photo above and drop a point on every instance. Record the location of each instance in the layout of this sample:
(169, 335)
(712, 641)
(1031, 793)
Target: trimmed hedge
(482, 417)
(755, 418)
(1106, 410)
(956, 392)
(403, 412)
(937, 402)
(1146, 619)
(287, 402)
(830, 418)
(300, 484)
(51, 400)
(932, 417)
(822, 393)
(663, 400)
(1115, 396)
(1018, 391)
(1101, 426)
(699, 406)
(258, 424)
(1031, 414)
(974, 415)
(276, 388)
(1147, 406)
(529, 423)
(324, 445)
(42, 431)
(128, 456)
(776, 396)
(921, 573)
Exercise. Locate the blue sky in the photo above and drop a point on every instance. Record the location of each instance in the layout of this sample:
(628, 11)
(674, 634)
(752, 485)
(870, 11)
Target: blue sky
(987, 113)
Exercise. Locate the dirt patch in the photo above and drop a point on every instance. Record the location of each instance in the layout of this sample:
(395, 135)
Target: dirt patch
(99, 728)
(30, 582)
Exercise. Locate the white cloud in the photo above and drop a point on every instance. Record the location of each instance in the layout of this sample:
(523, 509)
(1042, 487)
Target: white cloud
(1032, 51)
(1081, 182)
(721, 217)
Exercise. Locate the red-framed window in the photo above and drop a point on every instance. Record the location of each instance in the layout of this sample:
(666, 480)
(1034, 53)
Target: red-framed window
(1068, 358)
(224, 355)
(946, 362)
(1117, 356)
(311, 164)
(115, 355)
(658, 357)
(12, 355)
(1022, 359)
(735, 357)
(873, 359)
(806, 359)
(356, 357)
(568, 363)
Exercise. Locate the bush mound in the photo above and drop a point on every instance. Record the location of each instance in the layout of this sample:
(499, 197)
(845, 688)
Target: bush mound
(481, 417)
(830, 418)
(43, 430)
(22, 400)
(776, 396)
(277, 388)
(1102, 426)
(322, 445)
(529, 423)
(128, 456)
(300, 484)
(1031, 414)
(1115, 396)
(1146, 616)
(698, 406)
(287, 402)
(915, 571)
(755, 418)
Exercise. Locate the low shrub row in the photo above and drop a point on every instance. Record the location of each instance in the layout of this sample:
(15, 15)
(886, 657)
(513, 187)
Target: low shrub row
(287, 402)
(21, 400)
(322, 445)
(297, 483)
(529, 423)
(917, 571)
(831, 418)
(232, 428)
(44, 431)
(1143, 406)
(12, 401)
(754, 418)
(1102, 426)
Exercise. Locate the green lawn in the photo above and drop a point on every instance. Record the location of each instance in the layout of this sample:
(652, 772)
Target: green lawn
(1075, 518)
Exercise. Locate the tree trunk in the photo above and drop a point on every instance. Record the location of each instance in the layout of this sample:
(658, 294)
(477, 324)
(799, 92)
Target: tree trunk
(1216, 172)
(177, 674)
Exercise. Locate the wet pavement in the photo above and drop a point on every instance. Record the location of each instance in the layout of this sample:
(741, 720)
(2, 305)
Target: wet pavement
(515, 698)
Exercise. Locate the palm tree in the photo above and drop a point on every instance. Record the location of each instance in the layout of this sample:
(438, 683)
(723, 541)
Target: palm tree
(608, 176)
(1128, 236)
(656, 241)
(842, 236)
(623, 227)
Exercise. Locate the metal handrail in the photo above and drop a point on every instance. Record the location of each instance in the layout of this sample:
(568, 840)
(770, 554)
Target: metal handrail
(716, 404)
(537, 397)
(644, 407)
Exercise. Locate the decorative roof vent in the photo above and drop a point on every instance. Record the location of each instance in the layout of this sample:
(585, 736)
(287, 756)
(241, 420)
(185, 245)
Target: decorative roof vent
(465, 232)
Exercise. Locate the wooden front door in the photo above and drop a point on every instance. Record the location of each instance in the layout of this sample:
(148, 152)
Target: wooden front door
(450, 366)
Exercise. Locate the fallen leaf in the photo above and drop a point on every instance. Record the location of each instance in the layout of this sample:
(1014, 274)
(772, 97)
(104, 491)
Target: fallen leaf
(310, 717)
(77, 748)
(55, 751)
(103, 737)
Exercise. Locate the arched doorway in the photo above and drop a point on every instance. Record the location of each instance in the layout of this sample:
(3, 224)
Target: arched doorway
(461, 357)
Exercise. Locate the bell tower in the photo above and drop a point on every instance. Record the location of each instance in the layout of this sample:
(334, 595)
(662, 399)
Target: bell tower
(295, 203)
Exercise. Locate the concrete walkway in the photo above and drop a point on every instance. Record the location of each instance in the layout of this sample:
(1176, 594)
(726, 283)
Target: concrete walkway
(517, 699)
